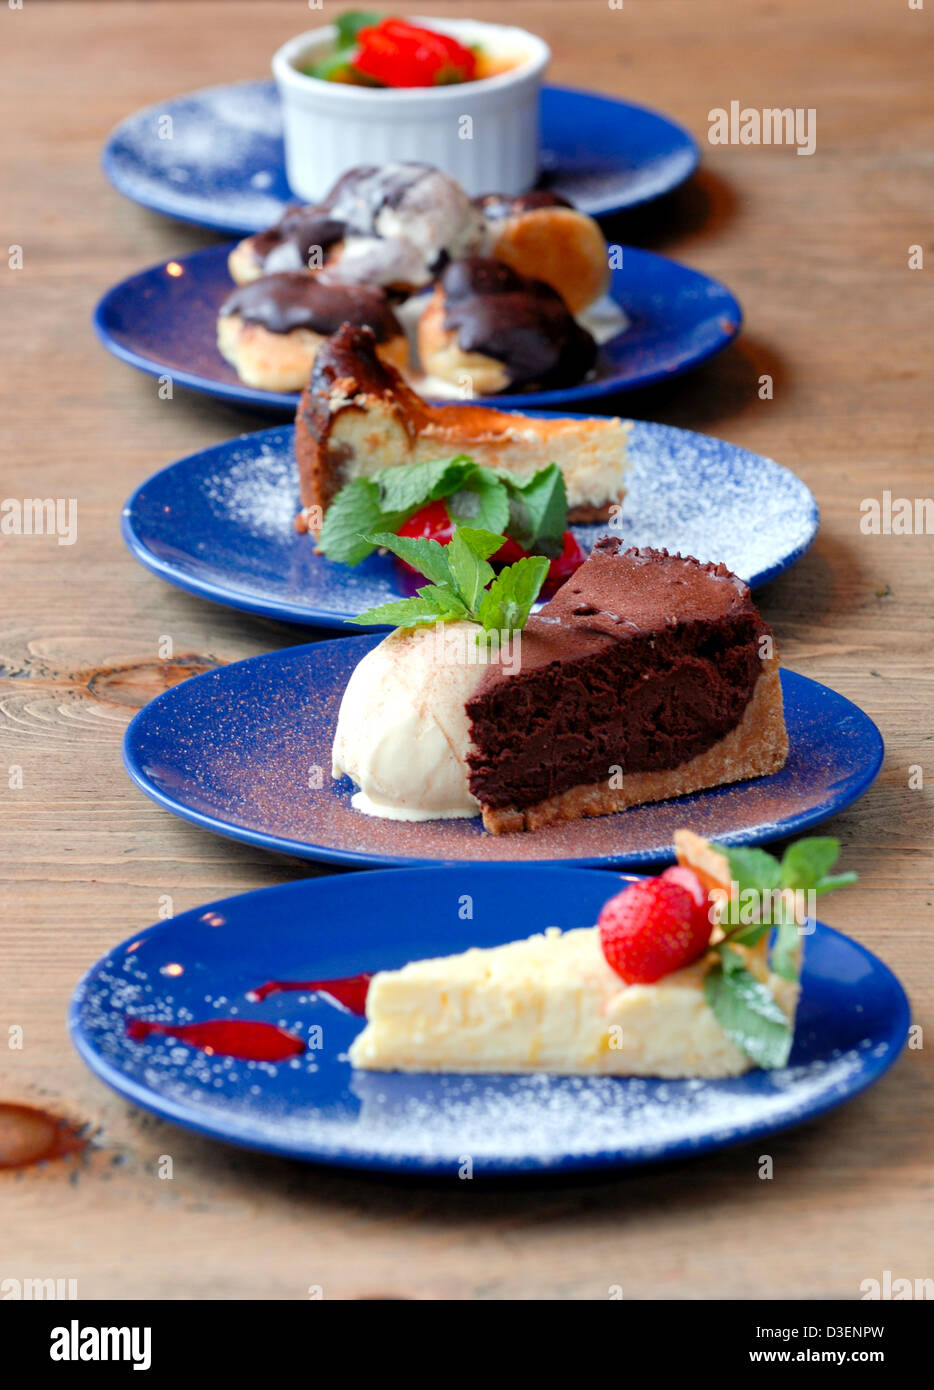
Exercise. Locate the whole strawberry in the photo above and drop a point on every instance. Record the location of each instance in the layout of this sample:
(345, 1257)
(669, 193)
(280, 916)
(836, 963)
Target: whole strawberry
(652, 928)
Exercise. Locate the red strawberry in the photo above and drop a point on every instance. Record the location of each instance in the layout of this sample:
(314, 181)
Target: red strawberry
(652, 928)
(680, 873)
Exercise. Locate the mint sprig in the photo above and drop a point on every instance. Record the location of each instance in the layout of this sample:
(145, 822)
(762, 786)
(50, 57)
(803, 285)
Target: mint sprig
(532, 511)
(464, 586)
(743, 1006)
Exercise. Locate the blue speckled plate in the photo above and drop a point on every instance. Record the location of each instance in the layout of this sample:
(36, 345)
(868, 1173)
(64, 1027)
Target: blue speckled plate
(852, 1023)
(245, 750)
(224, 165)
(220, 522)
(164, 321)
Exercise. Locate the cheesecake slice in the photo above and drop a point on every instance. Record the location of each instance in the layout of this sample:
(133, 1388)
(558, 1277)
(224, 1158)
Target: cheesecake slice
(357, 416)
(552, 1003)
(646, 677)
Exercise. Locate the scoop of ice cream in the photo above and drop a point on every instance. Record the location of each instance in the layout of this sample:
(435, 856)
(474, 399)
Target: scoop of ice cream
(403, 732)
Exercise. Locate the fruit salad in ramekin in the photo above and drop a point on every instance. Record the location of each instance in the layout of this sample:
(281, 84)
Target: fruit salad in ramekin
(372, 88)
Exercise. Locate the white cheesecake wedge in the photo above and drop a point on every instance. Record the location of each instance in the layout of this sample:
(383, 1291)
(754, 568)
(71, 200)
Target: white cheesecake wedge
(552, 1003)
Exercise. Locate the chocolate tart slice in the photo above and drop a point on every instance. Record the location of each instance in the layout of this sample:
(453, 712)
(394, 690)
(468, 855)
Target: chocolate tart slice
(646, 677)
(357, 416)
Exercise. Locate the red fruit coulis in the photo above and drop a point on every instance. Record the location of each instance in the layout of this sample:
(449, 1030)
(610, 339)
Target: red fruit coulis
(350, 991)
(243, 1038)
(250, 1040)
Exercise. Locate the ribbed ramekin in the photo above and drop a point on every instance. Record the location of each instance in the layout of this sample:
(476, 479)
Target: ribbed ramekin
(485, 134)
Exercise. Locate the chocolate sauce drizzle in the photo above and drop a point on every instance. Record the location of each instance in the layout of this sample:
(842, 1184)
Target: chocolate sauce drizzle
(291, 299)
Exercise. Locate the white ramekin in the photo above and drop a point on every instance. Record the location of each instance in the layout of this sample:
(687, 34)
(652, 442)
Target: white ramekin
(485, 134)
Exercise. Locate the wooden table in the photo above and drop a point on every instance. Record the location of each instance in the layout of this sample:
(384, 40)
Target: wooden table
(817, 250)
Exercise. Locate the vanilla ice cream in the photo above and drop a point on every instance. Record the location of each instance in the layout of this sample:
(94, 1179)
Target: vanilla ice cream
(403, 731)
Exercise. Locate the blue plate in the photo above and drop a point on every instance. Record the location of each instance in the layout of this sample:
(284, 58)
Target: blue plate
(164, 322)
(224, 166)
(852, 1023)
(245, 750)
(220, 522)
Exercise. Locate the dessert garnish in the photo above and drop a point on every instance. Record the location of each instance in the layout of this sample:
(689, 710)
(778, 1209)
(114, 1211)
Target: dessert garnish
(743, 1007)
(377, 51)
(654, 927)
(244, 1038)
(465, 588)
(660, 925)
(431, 499)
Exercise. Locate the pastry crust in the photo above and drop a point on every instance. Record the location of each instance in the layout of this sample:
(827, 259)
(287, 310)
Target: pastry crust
(282, 361)
(243, 263)
(559, 245)
(757, 747)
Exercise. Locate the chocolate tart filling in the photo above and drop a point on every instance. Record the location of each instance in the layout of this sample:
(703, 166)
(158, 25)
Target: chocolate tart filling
(642, 661)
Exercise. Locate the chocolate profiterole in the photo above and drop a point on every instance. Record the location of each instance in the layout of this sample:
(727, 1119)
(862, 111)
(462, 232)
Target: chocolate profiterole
(271, 329)
(542, 235)
(498, 330)
(393, 225)
(644, 664)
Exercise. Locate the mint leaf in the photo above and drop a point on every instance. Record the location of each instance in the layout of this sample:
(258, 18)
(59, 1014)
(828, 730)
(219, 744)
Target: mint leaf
(408, 612)
(428, 557)
(408, 488)
(443, 602)
(745, 934)
(807, 861)
(538, 510)
(784, 959)
(470, 571)
(351, 22)
(752, 868)
(832, 881)
(356, 509)
(482, 500)
(483, 543)
(748, 1014)
(461, 573)
(506, 604)
(532, 511)
(327, 68)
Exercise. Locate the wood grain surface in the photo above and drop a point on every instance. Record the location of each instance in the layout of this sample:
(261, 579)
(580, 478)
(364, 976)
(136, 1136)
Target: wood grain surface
(817, 250)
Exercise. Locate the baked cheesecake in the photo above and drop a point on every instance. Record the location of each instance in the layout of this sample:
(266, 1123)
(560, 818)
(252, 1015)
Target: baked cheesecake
(555, 1002)
(358, 416)
(647, 676)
